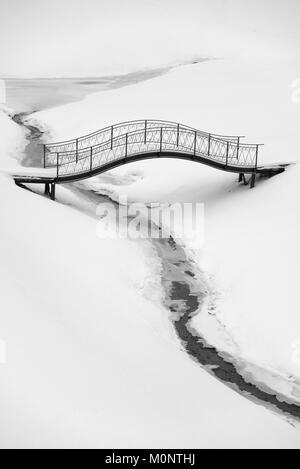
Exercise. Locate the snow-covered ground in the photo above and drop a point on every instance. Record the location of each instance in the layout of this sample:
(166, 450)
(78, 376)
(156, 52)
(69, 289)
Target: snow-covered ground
(92, 359)
(251, 246)
(12, 142)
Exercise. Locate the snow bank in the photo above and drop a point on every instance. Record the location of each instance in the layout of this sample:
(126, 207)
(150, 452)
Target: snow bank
(12, 142)
(226, 97)
(251, 248)
(90, 361)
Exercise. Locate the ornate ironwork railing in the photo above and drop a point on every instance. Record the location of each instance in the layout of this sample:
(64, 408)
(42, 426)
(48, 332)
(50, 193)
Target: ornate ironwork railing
(129, 139)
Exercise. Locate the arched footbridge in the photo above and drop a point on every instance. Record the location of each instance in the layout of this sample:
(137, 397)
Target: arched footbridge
(119, 144)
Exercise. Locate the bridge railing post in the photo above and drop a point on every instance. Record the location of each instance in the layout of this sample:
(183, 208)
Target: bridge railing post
(76, 150)
(126, 145)
(161, 137)
(178, 130)
(227, 153)
(145, 136)
(238, 148)
(91, 159)
(256, 156)
(44, 156)
(57, 165)
(195, 142)
(111, 137)
(208, 145)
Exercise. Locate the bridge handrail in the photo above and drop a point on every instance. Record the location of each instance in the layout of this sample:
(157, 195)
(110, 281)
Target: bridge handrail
(232, 152)
(82, 151)
(132, 122)
(153, 129)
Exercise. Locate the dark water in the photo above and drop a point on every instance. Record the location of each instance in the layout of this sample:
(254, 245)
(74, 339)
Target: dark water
(184, 295)
(33, 152)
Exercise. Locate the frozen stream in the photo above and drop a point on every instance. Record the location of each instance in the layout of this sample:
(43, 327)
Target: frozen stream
(183, 290)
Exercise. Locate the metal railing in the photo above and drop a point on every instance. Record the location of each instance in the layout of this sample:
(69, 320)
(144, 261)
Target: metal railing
(129, 139)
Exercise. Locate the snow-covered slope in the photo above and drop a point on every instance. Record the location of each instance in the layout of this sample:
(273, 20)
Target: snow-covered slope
(251, 247)
(223, 96)
(12, 142)
(91, 362)
(92, 358)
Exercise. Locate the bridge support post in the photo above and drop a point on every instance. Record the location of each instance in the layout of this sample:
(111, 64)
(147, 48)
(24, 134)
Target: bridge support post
(242, 178)
(52, 193)
(253, 180)
(47, 188)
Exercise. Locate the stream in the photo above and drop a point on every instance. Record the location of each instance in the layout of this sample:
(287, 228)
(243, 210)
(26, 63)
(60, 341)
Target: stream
(34, 147)
(184, 293)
